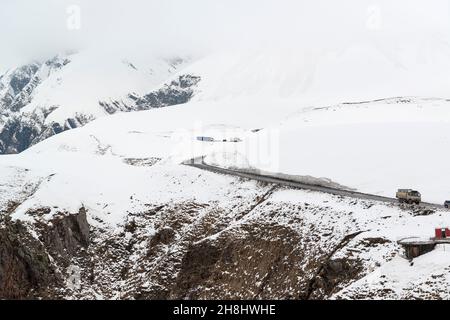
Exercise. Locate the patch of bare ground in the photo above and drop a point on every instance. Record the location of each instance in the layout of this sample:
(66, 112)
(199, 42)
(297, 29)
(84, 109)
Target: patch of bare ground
(141, 162)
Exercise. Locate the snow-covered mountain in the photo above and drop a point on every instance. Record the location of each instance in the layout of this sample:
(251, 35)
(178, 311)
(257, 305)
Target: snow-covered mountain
(374, 146)
(121, 218)
(44, 98)
(355, 71)
(107, 210)
(41, 99)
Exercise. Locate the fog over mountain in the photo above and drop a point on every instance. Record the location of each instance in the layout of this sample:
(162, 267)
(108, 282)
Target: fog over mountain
(32, 29)
(224, 149)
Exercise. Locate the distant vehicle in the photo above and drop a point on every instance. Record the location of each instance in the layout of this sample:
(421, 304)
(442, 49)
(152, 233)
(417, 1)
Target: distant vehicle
(232, 140)
(408, 196)
(447, 204)
(207, 139)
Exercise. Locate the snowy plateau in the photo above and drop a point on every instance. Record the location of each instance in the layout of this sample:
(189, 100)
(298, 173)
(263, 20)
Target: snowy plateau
(97, 203)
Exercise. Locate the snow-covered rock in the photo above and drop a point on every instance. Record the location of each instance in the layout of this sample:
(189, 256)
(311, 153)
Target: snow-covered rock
(45, 98)
(159, 229)
(155, 224)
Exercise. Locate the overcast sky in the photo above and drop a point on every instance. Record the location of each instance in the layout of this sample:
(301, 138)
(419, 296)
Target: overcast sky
(31, 29)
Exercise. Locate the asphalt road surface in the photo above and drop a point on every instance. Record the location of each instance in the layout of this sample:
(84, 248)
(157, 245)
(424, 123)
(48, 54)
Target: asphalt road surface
(200, 164)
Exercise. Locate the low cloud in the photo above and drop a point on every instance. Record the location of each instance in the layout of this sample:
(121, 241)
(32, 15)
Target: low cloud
(33, 29)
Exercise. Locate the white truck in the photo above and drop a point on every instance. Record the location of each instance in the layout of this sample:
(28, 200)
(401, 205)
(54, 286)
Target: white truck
(408, 196)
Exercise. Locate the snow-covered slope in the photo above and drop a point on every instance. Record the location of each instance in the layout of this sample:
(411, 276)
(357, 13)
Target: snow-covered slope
(111, 199)
(237, 88)
(356, 71)
(374, 147)
(45, 98)
(91, 77)
(154, 222)
(41, 99)
(106, 146)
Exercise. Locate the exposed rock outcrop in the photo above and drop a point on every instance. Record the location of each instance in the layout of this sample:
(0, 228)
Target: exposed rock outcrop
(252, 249)
(31, 267)
(21, 128)
(25, 268)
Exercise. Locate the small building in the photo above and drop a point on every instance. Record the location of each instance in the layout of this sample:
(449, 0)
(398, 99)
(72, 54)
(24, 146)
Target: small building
(415, 247)
(442, 233)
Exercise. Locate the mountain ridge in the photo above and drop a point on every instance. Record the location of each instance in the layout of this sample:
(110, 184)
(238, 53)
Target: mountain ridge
(32, 95)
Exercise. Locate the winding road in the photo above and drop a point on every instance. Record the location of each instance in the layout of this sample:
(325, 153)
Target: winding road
(200, 164)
